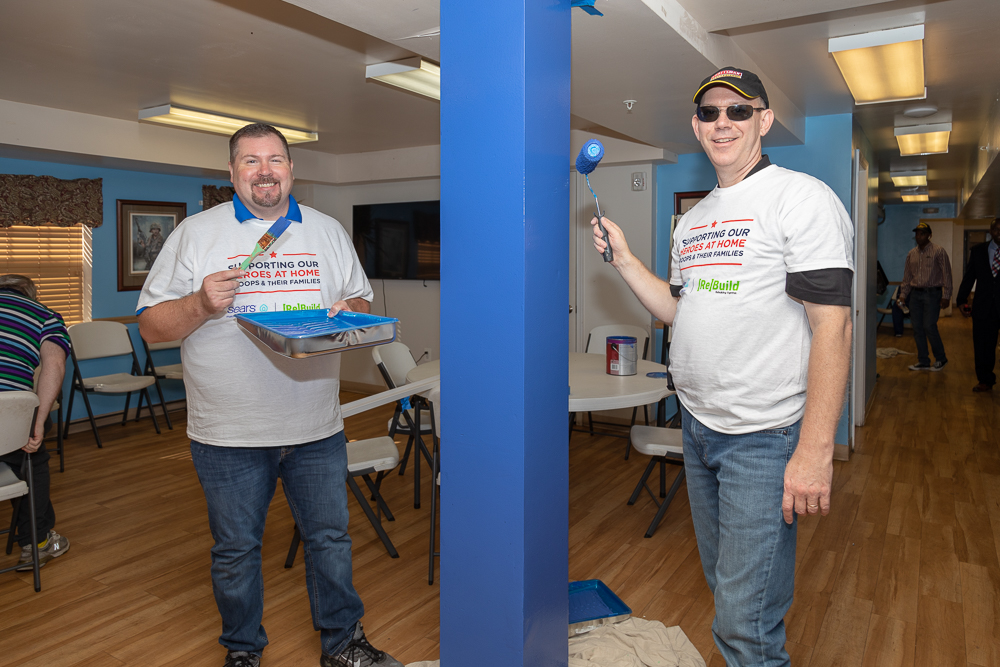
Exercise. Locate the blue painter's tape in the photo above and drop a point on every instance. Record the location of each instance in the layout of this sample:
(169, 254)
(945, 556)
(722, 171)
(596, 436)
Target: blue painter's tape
(587, 6)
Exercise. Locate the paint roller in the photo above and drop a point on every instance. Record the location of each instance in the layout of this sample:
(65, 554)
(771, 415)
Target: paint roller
(586, 162)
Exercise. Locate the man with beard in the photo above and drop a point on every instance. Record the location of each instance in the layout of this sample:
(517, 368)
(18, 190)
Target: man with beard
(759, 299)
(255, 416)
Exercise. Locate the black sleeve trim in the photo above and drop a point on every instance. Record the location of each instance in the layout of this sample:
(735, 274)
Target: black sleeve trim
(675, 291)
(829, 287)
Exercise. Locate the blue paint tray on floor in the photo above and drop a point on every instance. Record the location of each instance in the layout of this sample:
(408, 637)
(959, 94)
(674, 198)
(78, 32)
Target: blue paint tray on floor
(592, 604)
(300, 334)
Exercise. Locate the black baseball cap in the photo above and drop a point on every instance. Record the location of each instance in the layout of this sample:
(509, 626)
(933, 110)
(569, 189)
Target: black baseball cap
(742, 81)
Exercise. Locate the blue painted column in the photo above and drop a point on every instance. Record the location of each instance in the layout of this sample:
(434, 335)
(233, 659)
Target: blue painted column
(505, 101)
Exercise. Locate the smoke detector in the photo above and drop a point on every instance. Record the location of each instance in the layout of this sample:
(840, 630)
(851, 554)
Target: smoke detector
(920, 111)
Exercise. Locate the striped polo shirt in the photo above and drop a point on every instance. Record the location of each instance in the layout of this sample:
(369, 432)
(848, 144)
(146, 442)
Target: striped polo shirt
(24, 326)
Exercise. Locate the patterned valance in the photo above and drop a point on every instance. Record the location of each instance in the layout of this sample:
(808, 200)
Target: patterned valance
(37, 200)
(212, 195)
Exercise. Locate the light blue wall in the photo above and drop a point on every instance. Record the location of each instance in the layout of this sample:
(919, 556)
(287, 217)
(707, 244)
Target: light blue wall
(826, 155)
(107, 300)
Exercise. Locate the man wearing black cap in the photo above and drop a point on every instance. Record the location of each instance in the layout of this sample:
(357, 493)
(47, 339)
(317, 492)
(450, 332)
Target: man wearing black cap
(759, 299)
(926, 287)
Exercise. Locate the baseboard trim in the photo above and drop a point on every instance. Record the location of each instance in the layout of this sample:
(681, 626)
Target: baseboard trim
(361, 387)
(83, 424)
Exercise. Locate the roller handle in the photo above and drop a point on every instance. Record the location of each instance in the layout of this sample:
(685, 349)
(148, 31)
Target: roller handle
(609, 254)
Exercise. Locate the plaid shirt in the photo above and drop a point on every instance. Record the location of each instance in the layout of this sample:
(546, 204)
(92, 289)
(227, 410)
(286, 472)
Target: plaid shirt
(929, 267)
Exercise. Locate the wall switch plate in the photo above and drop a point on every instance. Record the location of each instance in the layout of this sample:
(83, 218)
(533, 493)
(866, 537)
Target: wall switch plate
(638, 181)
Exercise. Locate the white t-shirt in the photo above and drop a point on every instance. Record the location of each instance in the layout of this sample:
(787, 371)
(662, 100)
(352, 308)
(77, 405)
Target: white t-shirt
(239, 392)
(740, 351)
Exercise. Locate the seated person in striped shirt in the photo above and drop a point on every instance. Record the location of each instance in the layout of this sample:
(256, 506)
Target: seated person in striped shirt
(32, 336)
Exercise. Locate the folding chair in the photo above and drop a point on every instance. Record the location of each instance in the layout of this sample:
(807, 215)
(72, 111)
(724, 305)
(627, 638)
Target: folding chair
(394, 361)
(664, 446)
(365, 457)
(435, 400)
(596, 344)
(99, 340)
(18, 411)
(165, 372)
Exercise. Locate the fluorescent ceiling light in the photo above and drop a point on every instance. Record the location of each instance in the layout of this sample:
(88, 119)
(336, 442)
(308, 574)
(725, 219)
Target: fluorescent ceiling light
(882, 66)
(168, 114)
(908, 179)
(914, 198)
(923, 139)
(413, 74)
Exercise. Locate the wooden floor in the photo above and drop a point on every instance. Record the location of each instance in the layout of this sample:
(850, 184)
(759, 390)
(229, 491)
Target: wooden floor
(904, 571)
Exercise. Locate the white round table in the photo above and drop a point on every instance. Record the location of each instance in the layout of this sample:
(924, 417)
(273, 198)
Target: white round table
(591, 388)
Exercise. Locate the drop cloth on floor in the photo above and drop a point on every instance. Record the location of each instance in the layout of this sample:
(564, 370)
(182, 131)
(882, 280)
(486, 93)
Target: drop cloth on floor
(634, 642)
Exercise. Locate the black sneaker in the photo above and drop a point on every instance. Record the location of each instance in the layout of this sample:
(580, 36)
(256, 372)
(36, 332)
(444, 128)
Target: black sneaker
(242, 659)
(922, 366)
(359, 653)
(937, 365)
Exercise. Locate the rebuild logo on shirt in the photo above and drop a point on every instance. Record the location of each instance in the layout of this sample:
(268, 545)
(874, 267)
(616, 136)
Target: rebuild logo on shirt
(719, 287)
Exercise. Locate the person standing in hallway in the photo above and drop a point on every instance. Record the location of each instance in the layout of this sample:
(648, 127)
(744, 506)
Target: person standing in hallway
(983, 271)
(926, 289)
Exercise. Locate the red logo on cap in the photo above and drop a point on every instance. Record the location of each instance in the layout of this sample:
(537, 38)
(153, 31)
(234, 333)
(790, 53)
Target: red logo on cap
(727, 72)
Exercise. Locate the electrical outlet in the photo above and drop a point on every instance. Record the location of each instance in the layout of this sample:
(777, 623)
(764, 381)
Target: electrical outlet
(427, 353)
(638, 181)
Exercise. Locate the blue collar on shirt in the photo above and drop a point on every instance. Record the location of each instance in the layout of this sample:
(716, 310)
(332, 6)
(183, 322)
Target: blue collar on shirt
(243, 213)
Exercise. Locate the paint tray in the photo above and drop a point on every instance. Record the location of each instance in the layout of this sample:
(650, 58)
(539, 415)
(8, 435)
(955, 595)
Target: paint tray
(300, 334)
(592, 604)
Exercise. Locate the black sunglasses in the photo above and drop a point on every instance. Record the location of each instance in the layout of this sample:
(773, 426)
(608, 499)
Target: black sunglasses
(734, 112)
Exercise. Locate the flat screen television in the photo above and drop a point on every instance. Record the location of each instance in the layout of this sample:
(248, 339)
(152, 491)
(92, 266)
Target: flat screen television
(400, 240)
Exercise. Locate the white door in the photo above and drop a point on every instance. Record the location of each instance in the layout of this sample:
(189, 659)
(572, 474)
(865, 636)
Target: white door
(859, 396)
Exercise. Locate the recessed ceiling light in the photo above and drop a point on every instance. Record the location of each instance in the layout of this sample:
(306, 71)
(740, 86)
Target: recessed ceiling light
(923, 139)
(903, 179)
(921, 111)
(882, 66)
(415, 75)
(190, 119)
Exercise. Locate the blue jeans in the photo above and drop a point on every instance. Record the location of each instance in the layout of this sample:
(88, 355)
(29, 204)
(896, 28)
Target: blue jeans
(735, 484)
(925, 307)
(239, 483)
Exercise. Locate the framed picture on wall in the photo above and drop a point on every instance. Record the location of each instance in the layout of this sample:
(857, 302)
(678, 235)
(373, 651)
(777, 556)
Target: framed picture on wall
(685, 201)
(143, 226)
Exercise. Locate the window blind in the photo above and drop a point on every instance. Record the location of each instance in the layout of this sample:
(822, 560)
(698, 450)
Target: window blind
(58, 260)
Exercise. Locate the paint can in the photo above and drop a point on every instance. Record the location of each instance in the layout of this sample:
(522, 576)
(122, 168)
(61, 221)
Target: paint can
(621, 355)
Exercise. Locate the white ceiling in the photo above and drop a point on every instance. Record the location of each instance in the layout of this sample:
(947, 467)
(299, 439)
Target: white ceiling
(301, 63)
